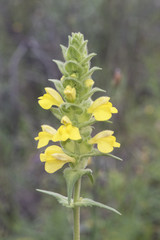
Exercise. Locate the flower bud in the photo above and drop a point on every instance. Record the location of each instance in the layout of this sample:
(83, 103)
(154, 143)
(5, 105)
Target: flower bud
(89, 83)
(70, 93)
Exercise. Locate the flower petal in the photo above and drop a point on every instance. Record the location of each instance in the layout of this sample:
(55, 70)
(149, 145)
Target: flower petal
(98, 102)
(49, 99)
(48, 129)
(116, 144)
(52, 167)
(100, 135)
(101, 114)
(73, 132)
(55, 95)
(104, 147)
(46, 101)
(63, 157)
(114, 110)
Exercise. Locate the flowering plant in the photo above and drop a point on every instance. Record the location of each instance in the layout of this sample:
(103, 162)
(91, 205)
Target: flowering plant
(73, 106)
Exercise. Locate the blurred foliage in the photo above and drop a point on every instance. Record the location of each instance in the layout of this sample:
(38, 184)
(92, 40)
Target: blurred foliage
(125, 35)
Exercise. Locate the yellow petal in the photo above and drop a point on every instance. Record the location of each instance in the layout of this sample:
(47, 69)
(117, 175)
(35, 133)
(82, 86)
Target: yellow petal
(89, 83)
(116, 144)
(65, 120)
(73, 132)
(101, 114)
(42, 157)
(100, 135)
(49, 99)
(61, 134)
(104, 147)
(53, 149)
(57, 98)
(114, 110)
(46, 101)
(48, 129)
(43, 138)
(70, 93)
(63, 157)
(52, 167)
(98, 102)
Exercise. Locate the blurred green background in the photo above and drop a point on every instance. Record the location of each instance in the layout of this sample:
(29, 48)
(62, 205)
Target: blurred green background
(126, 37)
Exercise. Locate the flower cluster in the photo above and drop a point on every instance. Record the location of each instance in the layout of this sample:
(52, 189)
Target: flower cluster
(73, 106)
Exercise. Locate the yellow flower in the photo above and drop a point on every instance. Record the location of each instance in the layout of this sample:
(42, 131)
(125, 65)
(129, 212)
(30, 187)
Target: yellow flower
(49, 99)
(102, 109)
(70, 93)
(66, 131)
(89, 83)
(45, 136)
(54, 158)
(105, 141)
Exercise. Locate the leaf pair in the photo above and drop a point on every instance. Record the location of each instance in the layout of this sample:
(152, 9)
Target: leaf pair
(83, 202)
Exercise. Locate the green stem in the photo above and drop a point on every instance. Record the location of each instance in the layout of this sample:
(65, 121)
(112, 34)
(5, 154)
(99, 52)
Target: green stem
(76, 211)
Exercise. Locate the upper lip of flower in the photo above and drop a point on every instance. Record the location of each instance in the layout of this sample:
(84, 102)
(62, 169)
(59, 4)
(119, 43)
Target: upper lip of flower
(50, 98)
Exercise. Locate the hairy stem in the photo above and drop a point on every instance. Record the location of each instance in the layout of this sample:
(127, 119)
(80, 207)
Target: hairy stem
(76, 211)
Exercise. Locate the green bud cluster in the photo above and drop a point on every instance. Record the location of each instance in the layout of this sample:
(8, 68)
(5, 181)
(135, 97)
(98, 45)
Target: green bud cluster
(75, 72)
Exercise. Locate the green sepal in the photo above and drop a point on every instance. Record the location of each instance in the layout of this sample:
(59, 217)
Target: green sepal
(57, 113)
(90, 72)
(73, 53)
(88, 58)
(71, 176)
(64, 51)
(58, 85)
(86, 202)
(73, 67)
(60, 198)
(61, 67)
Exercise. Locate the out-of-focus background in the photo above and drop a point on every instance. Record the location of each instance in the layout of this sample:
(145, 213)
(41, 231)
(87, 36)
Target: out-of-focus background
(126, 37)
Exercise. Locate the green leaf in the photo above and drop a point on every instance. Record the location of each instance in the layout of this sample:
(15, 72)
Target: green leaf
(88, 58)
(60, 198)
(90, 72)
(96, 152)
(113, 156)
(60, 65)
(58, 85)
(86, 202)
(72, 67)
(64, 51)
(57, 113)
(92, 91)
(73, 53)
(71, 177)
